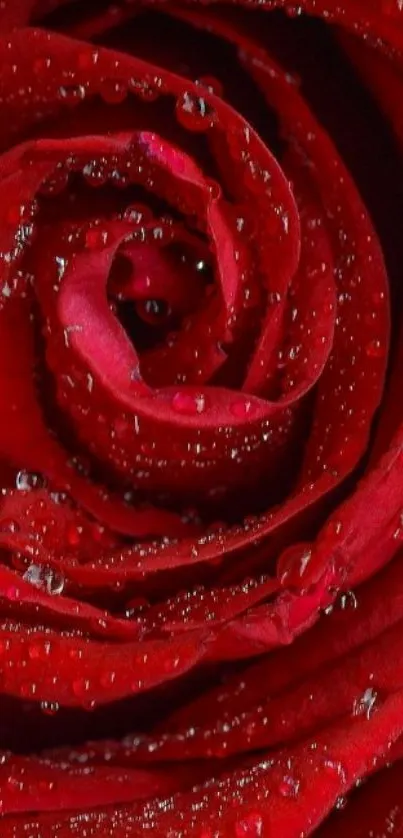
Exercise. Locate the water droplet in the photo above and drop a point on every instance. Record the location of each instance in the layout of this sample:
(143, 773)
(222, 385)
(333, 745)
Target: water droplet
(96, 238)
(14, 783)
(375, 349)
(201, 266)
(144, 89)
(242, 409)
(108, 678)
(251, 826)
(49, 707)
(398, 533)
(13, 593)
(138, 214)
(121, 426)
(341, 803)
(15, 213)
(87, 60)
(112, 91)
(347, 600)
(214, 188)
(45, 578)
(335, 767)
(289, 787)
(9, 525)
(46, 786)
(40, 651)
(58, 497)
(153, 311)
(188, 403)
(211, 84)
(293, 564)
(95, 173)
(27, 480)
(56, 183)
(392, 7)
(194, 112)
(119, 178)
(72, 94)
(74, 534)
(81, 686)
(365, 705)
(40, 64)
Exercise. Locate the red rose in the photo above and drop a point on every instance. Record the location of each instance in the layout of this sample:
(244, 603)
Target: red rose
(201, 434)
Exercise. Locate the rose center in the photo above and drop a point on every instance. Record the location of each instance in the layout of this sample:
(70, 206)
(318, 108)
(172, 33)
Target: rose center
(154, 290)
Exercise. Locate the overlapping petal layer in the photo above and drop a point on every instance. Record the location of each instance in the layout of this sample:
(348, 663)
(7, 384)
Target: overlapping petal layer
(200, 434)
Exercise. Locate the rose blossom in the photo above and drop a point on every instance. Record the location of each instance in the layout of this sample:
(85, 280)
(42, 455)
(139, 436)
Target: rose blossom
(201, 435)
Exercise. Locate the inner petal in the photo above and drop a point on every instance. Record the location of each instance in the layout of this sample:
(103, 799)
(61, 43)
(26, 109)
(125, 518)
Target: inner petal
(153, 287)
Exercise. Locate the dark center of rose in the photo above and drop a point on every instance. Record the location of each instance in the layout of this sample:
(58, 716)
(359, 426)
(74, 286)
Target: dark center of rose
(155, 290)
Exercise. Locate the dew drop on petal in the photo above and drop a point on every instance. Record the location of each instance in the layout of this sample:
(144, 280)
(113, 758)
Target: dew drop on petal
(366, 704)
(113, 92)
(15, 213)
(108, 678)
(49, 708)
(87, 60)
(144, 89)
(27, 480)
(72, 94)
(81, 687)
(41, 64)
(336, 768)
(153, 311)
(45, 578)
(46, 786)
(341, 803)
(392, 7)
(214, 188)
(398, 533)
(56, 183)
(14, 784)
(289, 786)
(375, 349)
(9, 525)
(202, 266)
(211, 84)
(189, 404)
(347, 600)
(274, 298)
(251, 826)
(95, 173)
(294, 564)
(73, 535)
(138, 214)
(96, 238)
(242, 408)
(13, 593)
(40, 650)
(194, 112)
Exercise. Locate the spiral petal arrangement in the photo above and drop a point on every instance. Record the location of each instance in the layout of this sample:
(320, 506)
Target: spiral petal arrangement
(201, 438)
